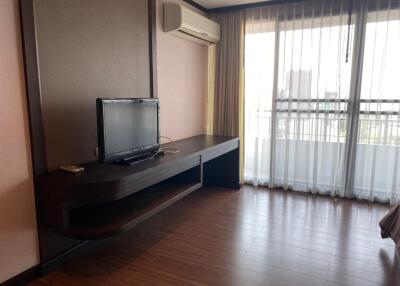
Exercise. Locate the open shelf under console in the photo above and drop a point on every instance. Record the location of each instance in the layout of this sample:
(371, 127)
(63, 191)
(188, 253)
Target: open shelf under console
(106, 199)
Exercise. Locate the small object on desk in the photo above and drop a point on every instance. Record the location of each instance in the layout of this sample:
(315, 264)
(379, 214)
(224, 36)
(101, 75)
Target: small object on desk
(72, 169)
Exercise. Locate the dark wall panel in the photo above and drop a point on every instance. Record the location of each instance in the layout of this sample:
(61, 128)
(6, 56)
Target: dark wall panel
(87, 49)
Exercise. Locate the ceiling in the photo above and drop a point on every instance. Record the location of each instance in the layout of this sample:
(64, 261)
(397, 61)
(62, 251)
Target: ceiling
(211, 4)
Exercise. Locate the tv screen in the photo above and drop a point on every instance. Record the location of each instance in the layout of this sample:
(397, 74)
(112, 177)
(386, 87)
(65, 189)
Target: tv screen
(127, 128)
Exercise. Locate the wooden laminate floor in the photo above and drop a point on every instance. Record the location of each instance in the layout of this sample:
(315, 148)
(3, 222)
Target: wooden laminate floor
(247, 237)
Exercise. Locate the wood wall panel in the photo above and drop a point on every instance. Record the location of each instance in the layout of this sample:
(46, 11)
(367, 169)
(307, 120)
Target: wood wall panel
(87, 49)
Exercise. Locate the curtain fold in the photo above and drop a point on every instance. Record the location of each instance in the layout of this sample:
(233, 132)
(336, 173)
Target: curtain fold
(229, 73)
(227, 94)
(323, 115)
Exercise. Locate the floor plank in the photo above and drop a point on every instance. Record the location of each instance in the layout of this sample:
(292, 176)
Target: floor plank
(248, 237)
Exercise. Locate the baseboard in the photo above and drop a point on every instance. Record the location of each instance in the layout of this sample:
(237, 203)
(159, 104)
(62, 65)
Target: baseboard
(42, 269)
(58, 261)
(23, 278)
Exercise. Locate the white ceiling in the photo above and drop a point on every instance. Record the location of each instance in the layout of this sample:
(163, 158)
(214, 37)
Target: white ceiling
(210, 4)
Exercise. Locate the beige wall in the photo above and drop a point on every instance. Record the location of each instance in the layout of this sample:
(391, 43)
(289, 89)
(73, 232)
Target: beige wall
(182, 82)
(18, 238)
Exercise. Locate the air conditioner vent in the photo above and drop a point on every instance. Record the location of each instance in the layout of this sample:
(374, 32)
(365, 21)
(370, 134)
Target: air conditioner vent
(184, 22)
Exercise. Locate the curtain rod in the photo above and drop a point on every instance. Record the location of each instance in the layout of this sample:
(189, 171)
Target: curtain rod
(395, 4)
(252, 5)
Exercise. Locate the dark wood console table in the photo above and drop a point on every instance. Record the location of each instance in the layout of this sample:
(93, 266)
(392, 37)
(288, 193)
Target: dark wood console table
(106, 199)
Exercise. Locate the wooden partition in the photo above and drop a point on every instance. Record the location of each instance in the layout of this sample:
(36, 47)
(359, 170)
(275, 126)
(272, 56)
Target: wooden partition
(76, 51)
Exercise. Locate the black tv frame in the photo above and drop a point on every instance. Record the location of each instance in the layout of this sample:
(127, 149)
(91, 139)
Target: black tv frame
(123, 157)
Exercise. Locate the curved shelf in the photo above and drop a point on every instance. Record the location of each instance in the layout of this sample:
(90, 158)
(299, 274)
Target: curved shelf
(104, 220)
(106, 199)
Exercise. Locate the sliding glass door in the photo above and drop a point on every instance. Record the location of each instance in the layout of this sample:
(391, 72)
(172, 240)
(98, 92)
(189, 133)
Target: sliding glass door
(303, 98)
(311, 101)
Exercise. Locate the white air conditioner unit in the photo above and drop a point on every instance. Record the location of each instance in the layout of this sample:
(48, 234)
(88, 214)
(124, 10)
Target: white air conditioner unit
(186, 23)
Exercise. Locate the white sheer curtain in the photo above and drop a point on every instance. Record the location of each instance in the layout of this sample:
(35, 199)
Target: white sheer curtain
(301, 93)
(377, 169)
(259, 88)
(297, 87)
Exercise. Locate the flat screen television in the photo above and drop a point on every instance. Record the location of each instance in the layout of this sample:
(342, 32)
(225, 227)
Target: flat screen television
(127, 129)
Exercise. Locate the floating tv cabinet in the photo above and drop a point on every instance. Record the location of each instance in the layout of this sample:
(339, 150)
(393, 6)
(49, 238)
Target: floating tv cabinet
(106, 199)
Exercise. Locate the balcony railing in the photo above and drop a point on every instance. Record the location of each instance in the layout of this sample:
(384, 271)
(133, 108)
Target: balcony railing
(326, 120)
(338, 106)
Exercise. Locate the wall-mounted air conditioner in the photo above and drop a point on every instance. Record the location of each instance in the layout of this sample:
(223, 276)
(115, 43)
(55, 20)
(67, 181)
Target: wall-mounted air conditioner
(186, 23)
